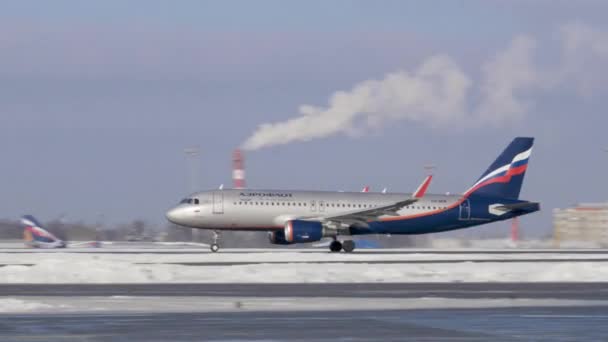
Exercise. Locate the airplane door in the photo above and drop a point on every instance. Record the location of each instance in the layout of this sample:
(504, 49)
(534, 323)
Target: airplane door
(465, 210)
(218, 202)
(313, 206)
(321, 206)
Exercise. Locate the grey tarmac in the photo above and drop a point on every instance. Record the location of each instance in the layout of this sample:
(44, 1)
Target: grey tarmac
(578, 291)
(494, 324)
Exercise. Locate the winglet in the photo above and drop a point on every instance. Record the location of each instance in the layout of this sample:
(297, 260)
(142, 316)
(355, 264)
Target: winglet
(421, 191)
(365, 189)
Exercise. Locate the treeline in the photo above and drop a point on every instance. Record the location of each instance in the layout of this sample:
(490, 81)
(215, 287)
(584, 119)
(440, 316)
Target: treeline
(139, 230)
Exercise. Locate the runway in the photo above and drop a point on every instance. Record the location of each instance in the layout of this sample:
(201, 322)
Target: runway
(189, 294)
(496, 324)
(573, 291)
(307, 312)
(346, 262)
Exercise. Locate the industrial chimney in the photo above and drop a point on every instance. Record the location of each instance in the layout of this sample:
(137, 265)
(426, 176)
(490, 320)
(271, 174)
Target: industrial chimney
(238, 169)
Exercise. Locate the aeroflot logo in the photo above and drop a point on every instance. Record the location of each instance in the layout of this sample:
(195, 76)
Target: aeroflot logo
(266, 194)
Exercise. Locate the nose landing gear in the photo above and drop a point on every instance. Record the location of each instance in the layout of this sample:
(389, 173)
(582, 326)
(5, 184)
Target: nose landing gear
(215, 246)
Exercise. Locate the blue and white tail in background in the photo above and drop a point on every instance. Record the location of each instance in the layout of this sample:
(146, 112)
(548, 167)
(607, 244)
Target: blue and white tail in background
(505, 176)
(37, 237)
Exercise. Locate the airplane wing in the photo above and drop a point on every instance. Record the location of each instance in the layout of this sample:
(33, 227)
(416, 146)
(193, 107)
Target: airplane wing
(362, 217)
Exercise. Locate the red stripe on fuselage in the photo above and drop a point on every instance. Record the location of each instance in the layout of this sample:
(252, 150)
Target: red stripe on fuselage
(501, 179)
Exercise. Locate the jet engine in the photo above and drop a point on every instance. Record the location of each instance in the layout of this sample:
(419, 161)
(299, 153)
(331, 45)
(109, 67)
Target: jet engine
(298, 231)
(278, 238)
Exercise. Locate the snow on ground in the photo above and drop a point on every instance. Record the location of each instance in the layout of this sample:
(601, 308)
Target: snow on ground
(295, 267)
(190, 255)
(229, 304)
(17, 305)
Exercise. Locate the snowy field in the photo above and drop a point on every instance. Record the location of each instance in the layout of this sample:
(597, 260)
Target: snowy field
(196, 265)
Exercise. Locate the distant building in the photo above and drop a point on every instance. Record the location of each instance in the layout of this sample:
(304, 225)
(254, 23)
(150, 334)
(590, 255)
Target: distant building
(585, 224)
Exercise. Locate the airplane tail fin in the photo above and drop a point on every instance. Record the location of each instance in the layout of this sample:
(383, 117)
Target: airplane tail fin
(34, 233)
(505, 176)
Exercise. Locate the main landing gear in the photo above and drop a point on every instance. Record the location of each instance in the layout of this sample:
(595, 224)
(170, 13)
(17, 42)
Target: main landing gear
(347, 245)
(215, 246)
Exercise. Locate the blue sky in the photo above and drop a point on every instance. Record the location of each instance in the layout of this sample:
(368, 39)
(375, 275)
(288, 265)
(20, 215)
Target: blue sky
(98, 99)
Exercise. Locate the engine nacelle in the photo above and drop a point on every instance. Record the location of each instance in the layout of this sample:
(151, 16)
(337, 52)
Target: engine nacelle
(278, 238)
(298, 231)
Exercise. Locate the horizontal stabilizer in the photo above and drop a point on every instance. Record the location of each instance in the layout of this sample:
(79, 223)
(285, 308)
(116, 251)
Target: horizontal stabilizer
(523, 206)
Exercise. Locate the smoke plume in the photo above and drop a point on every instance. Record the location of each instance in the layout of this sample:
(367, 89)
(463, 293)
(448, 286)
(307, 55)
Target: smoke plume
(439, 93)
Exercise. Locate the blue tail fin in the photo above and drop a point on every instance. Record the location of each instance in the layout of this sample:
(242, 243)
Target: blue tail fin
(505, 176)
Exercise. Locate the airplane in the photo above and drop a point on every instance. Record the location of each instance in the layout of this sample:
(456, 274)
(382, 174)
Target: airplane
(37, 237)
(292, 217)
(365, 189)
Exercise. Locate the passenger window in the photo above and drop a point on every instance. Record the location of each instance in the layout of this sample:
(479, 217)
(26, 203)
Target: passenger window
(196, 201)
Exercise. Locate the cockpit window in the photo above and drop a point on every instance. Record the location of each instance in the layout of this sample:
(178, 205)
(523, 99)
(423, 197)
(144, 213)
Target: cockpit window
(195, 201)
(190, 201)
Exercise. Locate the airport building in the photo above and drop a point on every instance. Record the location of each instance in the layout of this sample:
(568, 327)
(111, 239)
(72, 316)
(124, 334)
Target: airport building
(585, 224)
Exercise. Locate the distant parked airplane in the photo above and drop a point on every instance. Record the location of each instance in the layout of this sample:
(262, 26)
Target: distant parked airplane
(37, 237)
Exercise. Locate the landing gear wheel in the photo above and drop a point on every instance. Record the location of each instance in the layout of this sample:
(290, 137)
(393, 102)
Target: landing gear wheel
(335, 246)
(215, 246)
(348, 246)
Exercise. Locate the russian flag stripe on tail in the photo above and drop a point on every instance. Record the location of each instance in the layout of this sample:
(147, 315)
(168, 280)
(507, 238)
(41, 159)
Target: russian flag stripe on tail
(504, 178)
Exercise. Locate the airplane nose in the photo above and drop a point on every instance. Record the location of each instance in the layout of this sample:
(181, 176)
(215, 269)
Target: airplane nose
(173, 215)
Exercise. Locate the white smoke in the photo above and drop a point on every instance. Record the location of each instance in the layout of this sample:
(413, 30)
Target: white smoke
(585, 57)
(435, 92)
(507, 73)
(438, 93)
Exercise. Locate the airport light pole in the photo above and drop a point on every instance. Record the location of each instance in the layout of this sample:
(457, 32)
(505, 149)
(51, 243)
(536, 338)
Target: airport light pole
(192, 155)
(192, 162)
